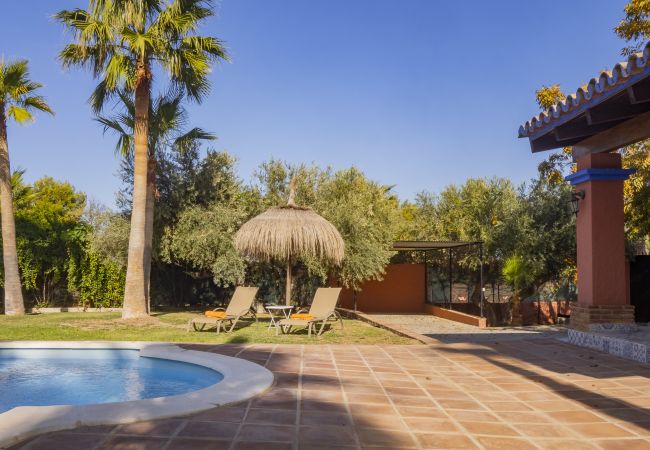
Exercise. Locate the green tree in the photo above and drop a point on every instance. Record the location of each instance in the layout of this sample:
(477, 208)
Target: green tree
(546, 236)
(519, 272)
(557, 164)
(49, 229)
(635, 27)
(479, 210)
(121, 41)
(201, 240)
(367, 215)
(637, 193)
(18, 101)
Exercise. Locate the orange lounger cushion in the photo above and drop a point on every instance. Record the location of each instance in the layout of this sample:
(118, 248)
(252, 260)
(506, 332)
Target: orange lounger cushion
(302, 316)
(216, 314)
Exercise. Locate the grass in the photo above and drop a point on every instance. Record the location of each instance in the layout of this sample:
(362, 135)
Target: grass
(170, 327)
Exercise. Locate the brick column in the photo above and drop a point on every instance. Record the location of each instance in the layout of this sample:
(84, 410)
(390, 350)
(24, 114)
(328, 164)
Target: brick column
(602, 277)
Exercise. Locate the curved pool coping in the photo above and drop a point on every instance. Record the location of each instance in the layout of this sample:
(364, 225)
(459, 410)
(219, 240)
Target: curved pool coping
(241, 380)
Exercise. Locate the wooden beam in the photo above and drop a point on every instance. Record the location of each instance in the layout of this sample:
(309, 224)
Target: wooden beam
(615, 112)
(639, 93)
(623, 134)
(580, 129)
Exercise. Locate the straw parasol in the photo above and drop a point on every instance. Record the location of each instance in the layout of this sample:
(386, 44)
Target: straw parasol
(289, 233)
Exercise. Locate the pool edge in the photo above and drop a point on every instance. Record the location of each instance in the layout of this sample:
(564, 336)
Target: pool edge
(242, 380)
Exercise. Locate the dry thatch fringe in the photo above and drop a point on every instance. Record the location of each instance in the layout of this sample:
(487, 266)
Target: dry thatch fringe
(289, 233)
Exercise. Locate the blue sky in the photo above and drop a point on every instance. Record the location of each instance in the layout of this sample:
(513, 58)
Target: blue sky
(416, 93)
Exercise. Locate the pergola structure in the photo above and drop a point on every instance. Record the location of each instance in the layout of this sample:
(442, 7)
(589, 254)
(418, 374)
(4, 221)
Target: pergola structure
(424, 246)
(609, 112)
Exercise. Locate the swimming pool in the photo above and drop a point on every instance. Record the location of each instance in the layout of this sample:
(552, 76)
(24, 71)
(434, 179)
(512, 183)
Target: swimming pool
(48, 385)
(40, 377)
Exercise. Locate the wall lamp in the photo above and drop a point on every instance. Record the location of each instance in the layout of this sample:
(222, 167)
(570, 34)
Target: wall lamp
(576, 196)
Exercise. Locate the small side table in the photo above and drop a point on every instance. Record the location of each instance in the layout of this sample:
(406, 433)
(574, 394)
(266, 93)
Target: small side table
(278, 312)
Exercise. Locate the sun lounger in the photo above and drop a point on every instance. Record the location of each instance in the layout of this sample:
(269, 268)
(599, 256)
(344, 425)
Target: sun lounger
(239, 306)
(322, 309)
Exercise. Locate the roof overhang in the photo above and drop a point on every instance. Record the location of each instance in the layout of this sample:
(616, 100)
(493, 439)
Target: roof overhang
(431, 245)
(609, 112)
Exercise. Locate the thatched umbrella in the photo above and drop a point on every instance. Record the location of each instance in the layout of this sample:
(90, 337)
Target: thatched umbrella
(287, 234)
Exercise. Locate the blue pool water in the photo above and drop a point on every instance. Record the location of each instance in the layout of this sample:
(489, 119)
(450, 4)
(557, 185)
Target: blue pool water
(42, 377)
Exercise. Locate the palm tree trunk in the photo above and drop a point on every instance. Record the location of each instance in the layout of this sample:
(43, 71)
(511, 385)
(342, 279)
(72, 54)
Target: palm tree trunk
(151, 201)
(14, 303)
(136, 287)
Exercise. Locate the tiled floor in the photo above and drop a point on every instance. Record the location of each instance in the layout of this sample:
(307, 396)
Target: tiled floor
(538, 394)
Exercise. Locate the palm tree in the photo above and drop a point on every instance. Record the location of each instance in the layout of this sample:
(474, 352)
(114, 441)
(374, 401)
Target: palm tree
(167, 119)
(17, 102)
(120, 41)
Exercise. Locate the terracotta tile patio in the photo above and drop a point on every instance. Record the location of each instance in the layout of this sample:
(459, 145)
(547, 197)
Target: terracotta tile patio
(537, 394)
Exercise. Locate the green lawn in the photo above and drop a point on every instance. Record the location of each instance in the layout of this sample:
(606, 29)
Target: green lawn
(170, 327)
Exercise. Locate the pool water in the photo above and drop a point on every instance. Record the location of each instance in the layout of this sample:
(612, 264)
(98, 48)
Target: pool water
(40, 377)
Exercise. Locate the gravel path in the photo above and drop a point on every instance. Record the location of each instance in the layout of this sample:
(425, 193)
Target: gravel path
(449, 331)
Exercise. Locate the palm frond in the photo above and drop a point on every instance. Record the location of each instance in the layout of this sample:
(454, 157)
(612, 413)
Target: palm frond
(195, 134)
(37, 102)
(15, 90)
(100, 96)
(124, 143)
(20, 115)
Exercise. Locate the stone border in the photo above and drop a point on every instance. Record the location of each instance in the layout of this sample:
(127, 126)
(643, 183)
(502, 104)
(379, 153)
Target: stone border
(456, 316)
(72, 309)
(612, 344)
(241, 380)
(396, 329)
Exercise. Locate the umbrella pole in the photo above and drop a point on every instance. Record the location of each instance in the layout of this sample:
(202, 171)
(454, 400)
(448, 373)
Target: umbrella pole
(287, 292)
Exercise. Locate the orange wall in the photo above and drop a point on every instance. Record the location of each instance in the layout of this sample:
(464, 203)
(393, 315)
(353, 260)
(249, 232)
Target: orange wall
(401, 290)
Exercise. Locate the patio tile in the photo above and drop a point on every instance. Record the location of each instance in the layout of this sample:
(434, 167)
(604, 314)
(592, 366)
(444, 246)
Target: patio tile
(507, 406)
(428, 425)
(414, 411)
(361, 408)
(624, 444)
(266, 433)
(213, 430)
(600, 430)
(490, 428)
(368, 398)
(564, 444)
(197, 444)
(64, 440)
(316, 418)
(331, 436)
(384, 421)
(263, 446)
(161, 428)
(422, 402)
(545, 430)
(221, 415)
(576, 417)
(386, 438)
(97, 429)
(640, 428)
(502, 443)
(525, 417)
(460, 404)
(132, 443)
(271, 417)
(445, 441)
